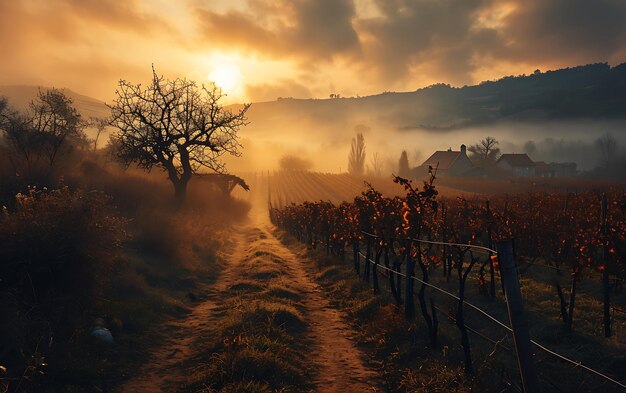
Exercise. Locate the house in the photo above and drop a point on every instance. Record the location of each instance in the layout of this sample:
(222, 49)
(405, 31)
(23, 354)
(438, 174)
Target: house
(518, 164)
(449, 162)
(544, 170)
(564, 169)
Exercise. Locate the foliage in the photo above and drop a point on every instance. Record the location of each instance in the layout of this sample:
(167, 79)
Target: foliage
(403, 164)
(50, 129)
(294, 163)
(356, 159)
(58, 249)
(561, 229)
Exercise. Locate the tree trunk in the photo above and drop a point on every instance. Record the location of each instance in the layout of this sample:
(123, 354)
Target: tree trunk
(356, 257)
(392, 282)
(572, 301)
(563, 304)
(368, 256)
(606, 289)
(375, 269)
(421, 295)
(409, 306)
(180, 192)
(397, 266)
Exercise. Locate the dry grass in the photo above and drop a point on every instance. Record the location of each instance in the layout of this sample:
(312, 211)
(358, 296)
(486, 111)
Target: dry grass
(259, 342)
(410, 364)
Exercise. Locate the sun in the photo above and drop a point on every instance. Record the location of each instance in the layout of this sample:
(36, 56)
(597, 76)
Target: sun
(227, 77)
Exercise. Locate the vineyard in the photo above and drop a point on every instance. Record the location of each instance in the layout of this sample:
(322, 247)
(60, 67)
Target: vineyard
(436, 257)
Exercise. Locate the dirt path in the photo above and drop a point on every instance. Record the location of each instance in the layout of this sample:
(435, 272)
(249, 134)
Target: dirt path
(165, 371)
(336, 361)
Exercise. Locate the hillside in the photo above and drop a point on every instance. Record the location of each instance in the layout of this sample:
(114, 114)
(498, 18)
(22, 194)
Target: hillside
(20, 97)
(595, 91)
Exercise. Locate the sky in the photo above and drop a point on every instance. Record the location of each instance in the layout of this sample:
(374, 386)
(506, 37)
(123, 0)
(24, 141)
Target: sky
(258, 50)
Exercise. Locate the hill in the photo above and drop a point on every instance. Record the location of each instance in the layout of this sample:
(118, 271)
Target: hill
(595, 91)
(19, 97)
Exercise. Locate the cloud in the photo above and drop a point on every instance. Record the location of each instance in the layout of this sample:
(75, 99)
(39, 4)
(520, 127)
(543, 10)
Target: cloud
(318, 46)
(313, 29)
(565, 31)
(406, 41)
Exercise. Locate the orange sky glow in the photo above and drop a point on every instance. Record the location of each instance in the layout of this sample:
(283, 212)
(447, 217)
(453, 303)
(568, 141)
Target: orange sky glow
(258, 50)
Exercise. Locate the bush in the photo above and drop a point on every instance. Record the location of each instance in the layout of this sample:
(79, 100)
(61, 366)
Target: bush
(58, 249)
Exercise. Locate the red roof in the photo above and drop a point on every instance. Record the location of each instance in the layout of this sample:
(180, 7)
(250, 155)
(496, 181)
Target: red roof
(517, 160)
(444, 158)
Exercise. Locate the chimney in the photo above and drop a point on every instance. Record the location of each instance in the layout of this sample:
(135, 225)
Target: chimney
(463, 150)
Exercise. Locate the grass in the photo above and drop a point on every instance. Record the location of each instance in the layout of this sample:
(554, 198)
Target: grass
(409, 363)
(258, 345)
(152, 271)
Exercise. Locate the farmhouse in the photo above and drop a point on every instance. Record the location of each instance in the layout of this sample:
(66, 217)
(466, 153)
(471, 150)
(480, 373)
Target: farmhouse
(449, 162)
(544, 170)
(518, 164)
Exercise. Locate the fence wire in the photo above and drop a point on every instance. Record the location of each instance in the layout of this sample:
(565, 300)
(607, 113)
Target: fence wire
(575, 363)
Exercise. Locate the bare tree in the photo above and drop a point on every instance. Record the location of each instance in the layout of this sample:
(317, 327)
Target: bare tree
(607, 144)
(530, 147)
(50, 128)
(100, 125)
(486, 151)
(356, 159)
(175, 125)
(376, 165)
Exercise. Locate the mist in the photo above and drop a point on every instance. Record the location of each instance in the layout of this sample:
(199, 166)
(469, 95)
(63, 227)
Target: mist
(326, 143)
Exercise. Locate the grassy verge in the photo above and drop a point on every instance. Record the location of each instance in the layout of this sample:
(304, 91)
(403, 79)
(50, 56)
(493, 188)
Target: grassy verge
(259, 341)
(106, 247)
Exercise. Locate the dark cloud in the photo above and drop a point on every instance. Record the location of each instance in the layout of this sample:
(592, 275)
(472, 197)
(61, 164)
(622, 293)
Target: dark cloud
(444, 40)
(565, 31)
(315, 29)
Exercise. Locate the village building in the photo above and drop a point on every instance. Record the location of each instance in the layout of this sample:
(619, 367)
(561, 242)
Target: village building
(518, 164)
(449, 162)
(544, 170)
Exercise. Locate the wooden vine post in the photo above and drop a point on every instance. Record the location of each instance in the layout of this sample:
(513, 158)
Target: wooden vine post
(606, 288)
(521, 337)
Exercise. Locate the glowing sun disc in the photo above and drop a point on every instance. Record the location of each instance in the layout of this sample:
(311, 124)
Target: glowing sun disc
(227, 77)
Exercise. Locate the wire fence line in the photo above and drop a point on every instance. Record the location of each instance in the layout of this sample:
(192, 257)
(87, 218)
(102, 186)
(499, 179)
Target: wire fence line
(477, 248)
(575, 363)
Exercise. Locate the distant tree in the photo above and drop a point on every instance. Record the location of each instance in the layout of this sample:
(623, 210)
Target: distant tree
(50, 128)
(175, 125)
(530, 148)
(293, 163)
(403, 165)
(486, 152)
(607, 144)
(356, 159)
(376, 165)
(100, 125)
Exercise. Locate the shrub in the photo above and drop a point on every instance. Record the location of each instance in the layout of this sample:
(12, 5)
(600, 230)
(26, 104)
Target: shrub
(58, 249)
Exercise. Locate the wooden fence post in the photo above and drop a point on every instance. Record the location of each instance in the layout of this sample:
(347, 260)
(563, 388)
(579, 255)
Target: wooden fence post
(409, 306)
(606, 288)
(521, 337)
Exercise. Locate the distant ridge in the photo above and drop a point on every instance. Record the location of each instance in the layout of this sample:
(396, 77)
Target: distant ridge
(594, 91)
(19, 97)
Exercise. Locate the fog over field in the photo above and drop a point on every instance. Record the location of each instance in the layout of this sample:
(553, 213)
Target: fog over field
(327, 145)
